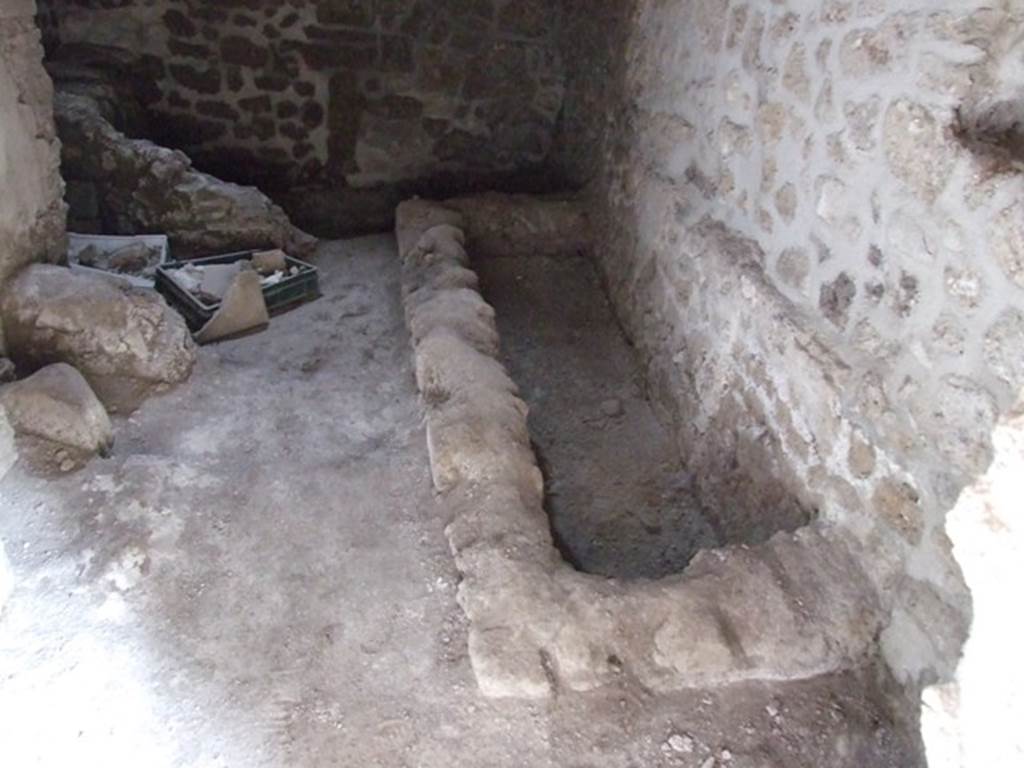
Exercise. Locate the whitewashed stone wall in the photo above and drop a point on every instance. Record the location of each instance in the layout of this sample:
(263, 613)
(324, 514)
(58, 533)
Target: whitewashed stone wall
(813, 222)
(31, 191)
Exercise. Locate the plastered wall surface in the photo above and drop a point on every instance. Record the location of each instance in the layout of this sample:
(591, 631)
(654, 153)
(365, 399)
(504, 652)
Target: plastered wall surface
(31, 206)
(814, 227)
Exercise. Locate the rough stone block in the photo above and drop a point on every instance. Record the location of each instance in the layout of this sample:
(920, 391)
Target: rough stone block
(57, 404)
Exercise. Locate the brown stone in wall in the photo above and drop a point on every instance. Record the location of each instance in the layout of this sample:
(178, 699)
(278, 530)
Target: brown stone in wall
(264, 127)
(334, 55)
(836, 299)
(179, 24)
(239, 50)
(899, 506)
(396, 55)
(287, 109)
(233, 76)
(200, 80)
(312, 114)
(292, 131)
(353, 13)
(255, 104)
(344, 116)
(272, 82)
(208, 12)
(529, 18)
(188, 50)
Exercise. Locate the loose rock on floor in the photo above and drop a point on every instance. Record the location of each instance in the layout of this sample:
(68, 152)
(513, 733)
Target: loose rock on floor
(127, 343)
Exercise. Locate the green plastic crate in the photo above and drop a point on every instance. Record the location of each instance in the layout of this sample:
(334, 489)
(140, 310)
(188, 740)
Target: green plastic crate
(290, 292)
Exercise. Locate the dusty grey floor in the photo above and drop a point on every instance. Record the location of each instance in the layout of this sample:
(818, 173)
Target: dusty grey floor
(620, 501)
(259, 577)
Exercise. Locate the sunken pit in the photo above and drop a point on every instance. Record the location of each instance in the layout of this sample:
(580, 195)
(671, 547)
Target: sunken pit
(708, 384)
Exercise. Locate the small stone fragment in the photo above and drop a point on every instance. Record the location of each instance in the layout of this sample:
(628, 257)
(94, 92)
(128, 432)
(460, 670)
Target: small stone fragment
(612, 407)
(862, 457)
(7, 371)
(680, 743)
(269, 262)
(57, 404)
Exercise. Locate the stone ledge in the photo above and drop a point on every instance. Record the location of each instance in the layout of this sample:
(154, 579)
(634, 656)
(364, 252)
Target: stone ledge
(794, 607)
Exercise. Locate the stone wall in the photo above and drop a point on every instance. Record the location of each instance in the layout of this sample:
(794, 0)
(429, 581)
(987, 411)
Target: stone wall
(31, 209)
(813, 225)
(336, 93)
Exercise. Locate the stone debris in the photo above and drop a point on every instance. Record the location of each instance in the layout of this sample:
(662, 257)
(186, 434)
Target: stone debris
(57, 405)
(143, 187)
(126, 342)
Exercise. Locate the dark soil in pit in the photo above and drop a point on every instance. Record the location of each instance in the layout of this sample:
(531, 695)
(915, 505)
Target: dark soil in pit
(620, 502)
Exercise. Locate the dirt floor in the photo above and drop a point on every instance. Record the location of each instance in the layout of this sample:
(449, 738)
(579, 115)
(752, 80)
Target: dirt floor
(620, 502)
(258, 576)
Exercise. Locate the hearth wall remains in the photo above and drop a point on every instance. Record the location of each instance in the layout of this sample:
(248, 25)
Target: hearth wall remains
(812, 223)
(357, 97)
